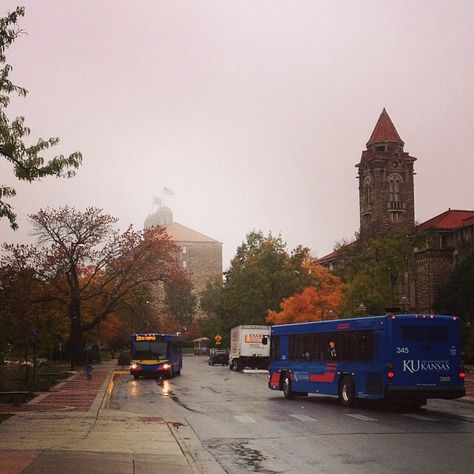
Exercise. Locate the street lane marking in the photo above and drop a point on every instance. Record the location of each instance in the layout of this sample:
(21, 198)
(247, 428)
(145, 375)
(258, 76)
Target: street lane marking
(419, 417)
(244, 419)
(304, 418)
(360, 417)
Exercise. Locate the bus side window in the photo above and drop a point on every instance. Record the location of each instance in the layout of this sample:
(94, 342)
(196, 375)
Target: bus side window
(306, 346)
(275, 347)
(332, 349)
(175, 348)
(317, 356)
(330, 346)
(346, 347)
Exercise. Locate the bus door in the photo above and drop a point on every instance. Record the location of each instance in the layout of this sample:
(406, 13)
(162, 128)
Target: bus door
(330, 354)
(315, 357)
(299, 361)
(425, 353)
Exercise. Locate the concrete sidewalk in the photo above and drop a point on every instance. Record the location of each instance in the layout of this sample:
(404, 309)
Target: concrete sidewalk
(69, 429)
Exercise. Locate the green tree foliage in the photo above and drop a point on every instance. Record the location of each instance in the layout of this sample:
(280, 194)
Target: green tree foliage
(212, 304)
(374, 271)
(28, 160)
(262, 273)
(180, 300)
(456, 297)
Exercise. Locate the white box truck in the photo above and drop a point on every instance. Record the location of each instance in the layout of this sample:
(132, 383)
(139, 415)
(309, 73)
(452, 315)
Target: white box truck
(249, 347)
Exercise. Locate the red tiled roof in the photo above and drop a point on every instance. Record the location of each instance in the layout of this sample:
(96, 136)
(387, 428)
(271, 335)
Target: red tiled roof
(384, 131)
(329, 256)
(449, 220)
(337, 253)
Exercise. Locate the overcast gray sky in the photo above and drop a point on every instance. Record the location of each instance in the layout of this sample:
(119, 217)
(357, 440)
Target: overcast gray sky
(253, 112)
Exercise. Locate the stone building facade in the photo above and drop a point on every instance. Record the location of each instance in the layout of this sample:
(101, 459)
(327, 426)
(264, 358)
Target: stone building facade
(387, 206)
(199, 255)
(449, 239)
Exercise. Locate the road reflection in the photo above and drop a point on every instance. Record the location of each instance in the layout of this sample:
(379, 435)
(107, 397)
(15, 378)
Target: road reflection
(166, 388)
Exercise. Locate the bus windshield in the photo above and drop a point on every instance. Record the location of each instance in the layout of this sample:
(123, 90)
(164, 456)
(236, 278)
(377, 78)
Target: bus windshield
(153, 349)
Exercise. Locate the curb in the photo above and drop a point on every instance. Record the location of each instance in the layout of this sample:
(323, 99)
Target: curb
(187, 454)
(198, 457)
(103, 399)
(108, 388)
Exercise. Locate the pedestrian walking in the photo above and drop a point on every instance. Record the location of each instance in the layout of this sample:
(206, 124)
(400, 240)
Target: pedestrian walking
(87, 365)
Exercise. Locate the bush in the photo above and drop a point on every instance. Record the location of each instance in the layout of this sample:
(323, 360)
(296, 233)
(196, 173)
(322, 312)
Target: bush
(124, 358)
(105, 354)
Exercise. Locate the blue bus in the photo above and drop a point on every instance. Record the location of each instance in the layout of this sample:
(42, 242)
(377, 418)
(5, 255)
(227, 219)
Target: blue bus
(155, 354)
(404, 357)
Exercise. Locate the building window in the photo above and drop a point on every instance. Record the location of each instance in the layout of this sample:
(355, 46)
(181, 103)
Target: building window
(395, 183)
(185, 264)
(184, 250)
(367, 190)
(379, 148)
(442, 241)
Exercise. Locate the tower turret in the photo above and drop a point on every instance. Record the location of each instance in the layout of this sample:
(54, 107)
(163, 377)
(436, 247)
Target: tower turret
(386, 188)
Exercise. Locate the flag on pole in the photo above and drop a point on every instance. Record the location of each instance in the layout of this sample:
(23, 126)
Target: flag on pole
(157, 201)
(167, 191)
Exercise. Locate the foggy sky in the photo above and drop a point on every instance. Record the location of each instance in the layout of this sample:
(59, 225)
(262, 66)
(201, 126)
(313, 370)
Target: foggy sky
(254, 112)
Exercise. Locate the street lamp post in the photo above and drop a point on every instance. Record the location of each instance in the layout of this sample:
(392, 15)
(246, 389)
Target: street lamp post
(404, 304)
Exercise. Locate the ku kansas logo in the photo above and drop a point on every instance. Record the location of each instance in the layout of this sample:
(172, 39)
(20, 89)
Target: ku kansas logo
(413, 366)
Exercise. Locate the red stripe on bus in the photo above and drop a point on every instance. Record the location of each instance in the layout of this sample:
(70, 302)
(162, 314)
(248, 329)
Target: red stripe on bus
(326, 377)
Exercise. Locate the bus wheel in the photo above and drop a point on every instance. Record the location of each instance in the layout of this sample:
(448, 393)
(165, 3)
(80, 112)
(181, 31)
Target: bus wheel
(346, 392)
(286, 385)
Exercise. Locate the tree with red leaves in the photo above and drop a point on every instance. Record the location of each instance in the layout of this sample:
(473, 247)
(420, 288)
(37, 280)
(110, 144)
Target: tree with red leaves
(89, 267)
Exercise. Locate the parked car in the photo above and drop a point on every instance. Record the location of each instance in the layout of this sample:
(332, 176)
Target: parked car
(219, 356)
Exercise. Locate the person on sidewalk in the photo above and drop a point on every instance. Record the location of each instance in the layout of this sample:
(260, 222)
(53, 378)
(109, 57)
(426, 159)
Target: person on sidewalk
(87, 364)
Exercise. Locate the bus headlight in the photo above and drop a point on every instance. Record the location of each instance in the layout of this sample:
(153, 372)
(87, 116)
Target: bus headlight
(133, 365)
(166, 366)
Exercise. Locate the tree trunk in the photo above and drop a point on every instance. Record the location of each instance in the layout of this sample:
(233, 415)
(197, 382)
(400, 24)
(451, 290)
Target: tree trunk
(76, 344)
(76, 337)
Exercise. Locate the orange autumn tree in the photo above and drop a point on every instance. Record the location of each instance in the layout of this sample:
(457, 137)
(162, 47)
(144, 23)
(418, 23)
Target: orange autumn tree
(317, 302)
(109, 331)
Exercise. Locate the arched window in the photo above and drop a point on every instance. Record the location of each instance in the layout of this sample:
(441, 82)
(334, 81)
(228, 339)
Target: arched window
(395, 182)
(367, 190)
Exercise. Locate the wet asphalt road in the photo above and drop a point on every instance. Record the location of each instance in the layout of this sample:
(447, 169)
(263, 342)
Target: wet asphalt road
(248, 428)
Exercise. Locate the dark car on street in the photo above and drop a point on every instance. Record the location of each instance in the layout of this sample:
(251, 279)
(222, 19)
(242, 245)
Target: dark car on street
(219, 356)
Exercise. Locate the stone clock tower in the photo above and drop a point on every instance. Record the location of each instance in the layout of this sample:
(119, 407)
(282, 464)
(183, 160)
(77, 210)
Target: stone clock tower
(386, 190)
